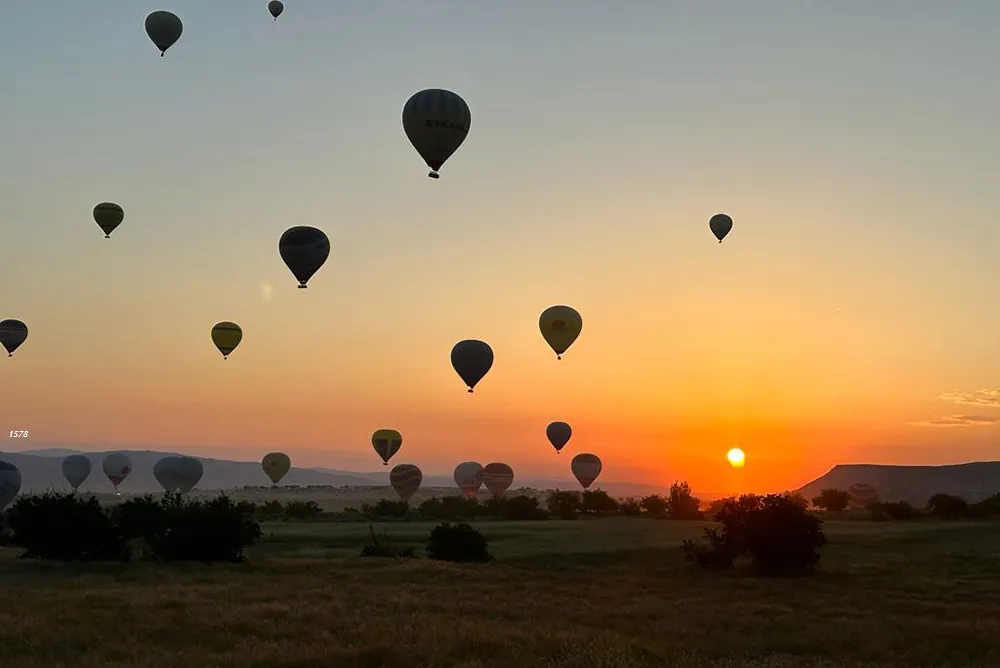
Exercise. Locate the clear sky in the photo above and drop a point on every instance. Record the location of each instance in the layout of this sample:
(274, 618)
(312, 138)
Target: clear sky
(854, 143)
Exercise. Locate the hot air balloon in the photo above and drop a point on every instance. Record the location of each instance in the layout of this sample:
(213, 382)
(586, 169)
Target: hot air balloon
(226, 336)
(276, 465)
(497, 477)
(436, 122)
(862, 494)
(178, 474)
(304, 250)
(387, 442)
(586, 467)
(560, 326)
(12, 334)
(558, 434)
(472, 360)
(10, 483)
(117, 466)
(275, 7)
(108, 216)
(76, 469)
(405, 479)
(469, 478)
(720, 224)
(164, 28)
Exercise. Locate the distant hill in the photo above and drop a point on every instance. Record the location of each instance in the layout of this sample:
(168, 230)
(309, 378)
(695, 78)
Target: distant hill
(973, 481)
(42, 470)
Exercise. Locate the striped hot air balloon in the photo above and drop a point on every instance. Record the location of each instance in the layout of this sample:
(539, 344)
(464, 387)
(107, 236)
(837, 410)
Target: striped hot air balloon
(405, 479)
(498, 478)
(861, 495)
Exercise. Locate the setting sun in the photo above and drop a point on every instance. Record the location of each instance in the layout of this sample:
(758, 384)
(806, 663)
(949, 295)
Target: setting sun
(736, 458)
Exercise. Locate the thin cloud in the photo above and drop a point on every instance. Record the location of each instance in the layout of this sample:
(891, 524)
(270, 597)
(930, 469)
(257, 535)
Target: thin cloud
(958, 421)
(979, 398)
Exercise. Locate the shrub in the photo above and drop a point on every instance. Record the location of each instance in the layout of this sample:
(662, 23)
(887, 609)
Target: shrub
(302, 510)
(715, 506)
(516, 508)
(270, 510)
(655, 505)
(385, 509)
(681, 504)
(779, 536)
(457, 542)
(797, 499)
(564, 505)
(450, 508)
(597, 501)
(987, 508)
(629, 508)
(65, 527)
(898, 510)
(948, 507)
(206, 531)
(383, 546)
(833, 500)
(143, 516)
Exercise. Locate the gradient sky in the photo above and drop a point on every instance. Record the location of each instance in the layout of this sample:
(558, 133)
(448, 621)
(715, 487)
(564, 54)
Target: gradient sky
(854, 143)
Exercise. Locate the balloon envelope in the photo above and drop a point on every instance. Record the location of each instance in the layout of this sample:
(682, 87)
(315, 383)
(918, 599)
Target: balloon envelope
(76, 469)
(469, 478)
(164, 28)
(276, 465)
(275, 7)
(560, 327)
(178, 474)
(436, 122)
(12, 334)
(720, 224)
(117, 466)
(558, 434)
(108, 216)
(10, 483)
(405, 479)
(586, 467)
(387, 442)
(226, 336)
(497, 477)
(304, 250)
(471, 359)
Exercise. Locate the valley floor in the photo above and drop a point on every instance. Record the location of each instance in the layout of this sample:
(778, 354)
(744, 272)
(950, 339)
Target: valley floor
(609, 593)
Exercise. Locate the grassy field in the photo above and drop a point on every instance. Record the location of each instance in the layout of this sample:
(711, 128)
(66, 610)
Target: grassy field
(590, 593)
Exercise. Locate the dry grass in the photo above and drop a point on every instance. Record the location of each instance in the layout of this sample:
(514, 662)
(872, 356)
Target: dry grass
(595, 594)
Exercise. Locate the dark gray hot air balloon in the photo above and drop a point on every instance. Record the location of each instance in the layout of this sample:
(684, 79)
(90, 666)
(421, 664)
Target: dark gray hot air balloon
(497, 477)
(720, 224)
(12, 334)
(304, 250)
(164, 28)
(76, 469)
(405, 479)
(275, 7)
(178, 474)
(436, 122)
(558, 434)
(108, 216)
(586, 467)
(117, 466)
(472, 360)
(10, 483)
(469, 478)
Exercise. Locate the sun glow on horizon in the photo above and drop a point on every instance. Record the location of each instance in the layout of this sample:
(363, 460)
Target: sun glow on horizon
(736, 458)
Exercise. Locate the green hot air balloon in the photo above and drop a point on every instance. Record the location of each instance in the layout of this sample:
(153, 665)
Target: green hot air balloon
(560, 327)
(304, 250)
(436, 122)
(586, 467)
(471, 360)
(720, 224)
(275, 7)
(226, 336)
(558, 434)
(387, 442)
(405, 479)
(108, 216)
(12, 334)
(498, 478)
(164, 28)
(76, 469)
(276, 465)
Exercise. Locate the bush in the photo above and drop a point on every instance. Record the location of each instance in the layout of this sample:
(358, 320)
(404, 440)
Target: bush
(629, 508)
(385, 509)
(564, 505)
(715, 506)
(302, 510)
(681, 504)
(987, 508)
(779, 536)
(598, 502)
(450, 508)
(948, 507)
(143, 516)
(269, 510)
(516, 508)
(206, 531)
(896, 510)
(458, 542)
(65, 527)
(655, 505)
(383, 546)
(833, 500)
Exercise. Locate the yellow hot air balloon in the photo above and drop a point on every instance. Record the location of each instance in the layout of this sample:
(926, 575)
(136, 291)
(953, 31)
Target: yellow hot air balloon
(226, 336)
(560, 326)
(387, 442)
(276, 465)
